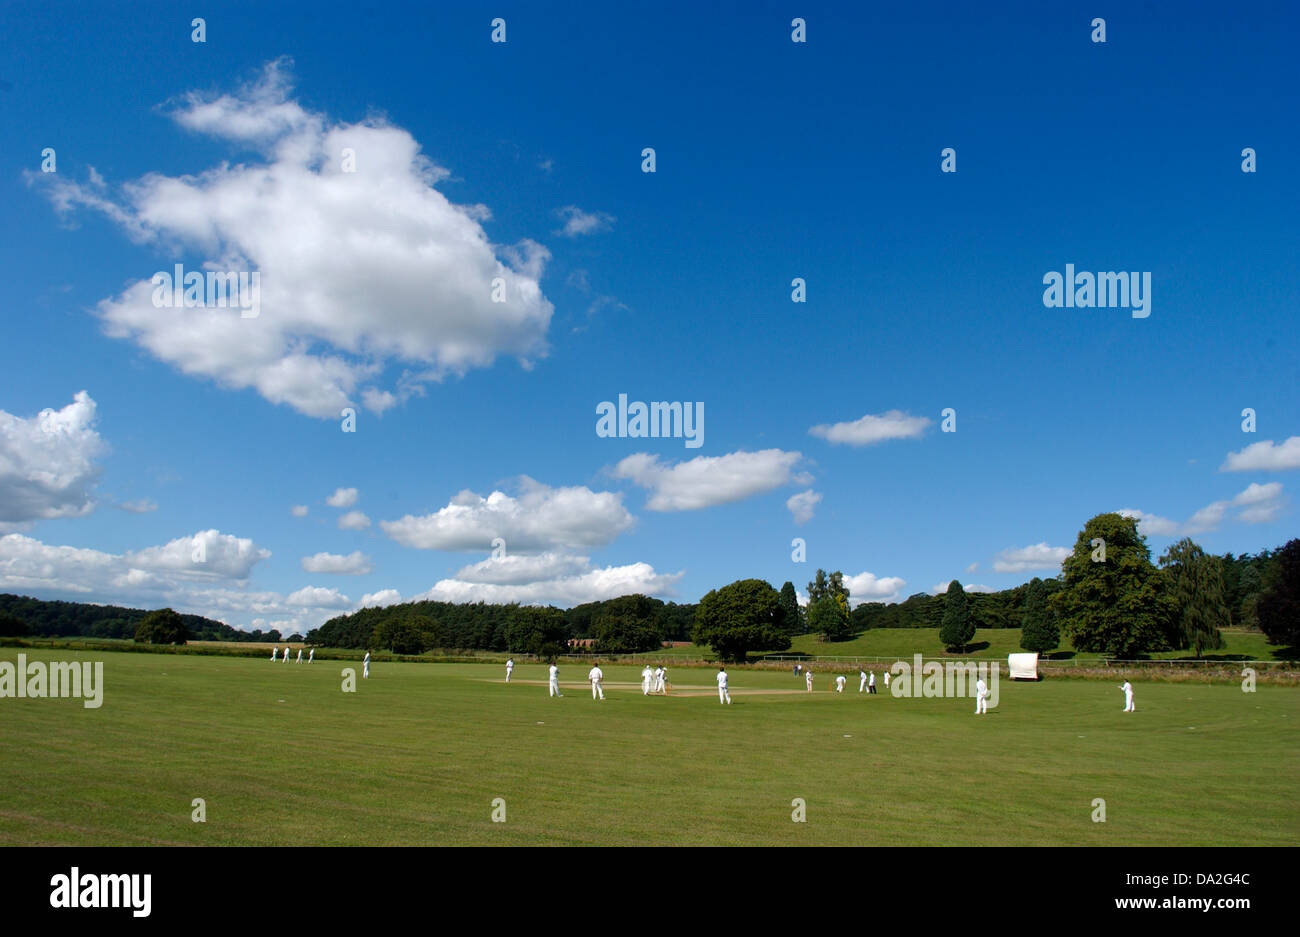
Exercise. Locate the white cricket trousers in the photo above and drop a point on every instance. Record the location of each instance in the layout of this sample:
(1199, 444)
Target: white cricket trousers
(1128, 703)
(723, 695)
(981, 705)
(596, 691)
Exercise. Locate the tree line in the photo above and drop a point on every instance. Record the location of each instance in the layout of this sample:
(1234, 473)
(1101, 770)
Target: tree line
(1110, 597)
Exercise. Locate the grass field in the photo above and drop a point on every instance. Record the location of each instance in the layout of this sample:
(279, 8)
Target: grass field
(417, 754)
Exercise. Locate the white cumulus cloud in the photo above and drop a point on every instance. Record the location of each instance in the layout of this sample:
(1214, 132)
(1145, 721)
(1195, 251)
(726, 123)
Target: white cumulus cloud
(1265, 457)
(354, 520)
(540, 518)
(803, 505)
(360, 270)
(47, 463)
(569, 590)
(706, 481)
(342, 498)
(354, 564)
(1035, 556)
(873, 428)
(867, 587)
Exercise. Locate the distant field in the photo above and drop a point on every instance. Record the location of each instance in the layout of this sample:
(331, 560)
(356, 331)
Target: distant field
(902, 643)
(419, 752)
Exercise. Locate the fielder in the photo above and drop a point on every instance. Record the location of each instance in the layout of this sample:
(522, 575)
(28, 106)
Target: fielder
(595, 676)
(510, 667)
(300, 655)
(311, 655)
(871, 682)
(1128, 697)
(981, 697)
(646, 676)
(862, 682)
(274, 652)
(807, 675)
(886, 679)
(839, 684)
(724, 695)
(286, 655)
(365, 666)
(555, 681)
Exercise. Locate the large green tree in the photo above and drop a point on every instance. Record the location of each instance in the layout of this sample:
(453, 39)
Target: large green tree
(1112, 600)
(1278, 607)
(1194, 581)
(1039, 630)
(829, 617)
(738, 618)
(958, 625)
(163, 626)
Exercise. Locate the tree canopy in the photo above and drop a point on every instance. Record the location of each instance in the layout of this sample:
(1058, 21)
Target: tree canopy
(1113, 601)
(739, 618)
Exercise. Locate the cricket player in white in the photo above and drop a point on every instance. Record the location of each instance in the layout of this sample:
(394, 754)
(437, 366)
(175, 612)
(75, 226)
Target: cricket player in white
(595, 676)
(724, 695)
(274, 652)
(862, 683)
(981, 696)
(807, 675)
(510, 667)
(871, 682)
(300, 655)
(365, 665)
(646, 676)
(286, 655)
(555, 681)
(886, 679)
(660, 676)
(1128, 697)
(839, 684)
(311, 655)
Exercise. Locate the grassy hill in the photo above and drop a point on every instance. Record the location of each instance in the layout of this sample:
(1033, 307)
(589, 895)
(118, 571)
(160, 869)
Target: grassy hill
(902, 643)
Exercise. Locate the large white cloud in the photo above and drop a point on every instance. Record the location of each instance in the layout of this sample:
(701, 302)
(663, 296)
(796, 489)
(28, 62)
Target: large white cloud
(47, 463)
(517, 569)
(167, 575)
(1034, 556)
(359, 270)
(708, 480)
(540, 518)
(354, 564)
(589, 586)
(1264, 457)
(872, 428)
(867, 587)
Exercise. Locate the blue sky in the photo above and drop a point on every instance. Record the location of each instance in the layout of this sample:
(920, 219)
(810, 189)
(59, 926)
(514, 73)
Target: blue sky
(774, 160)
